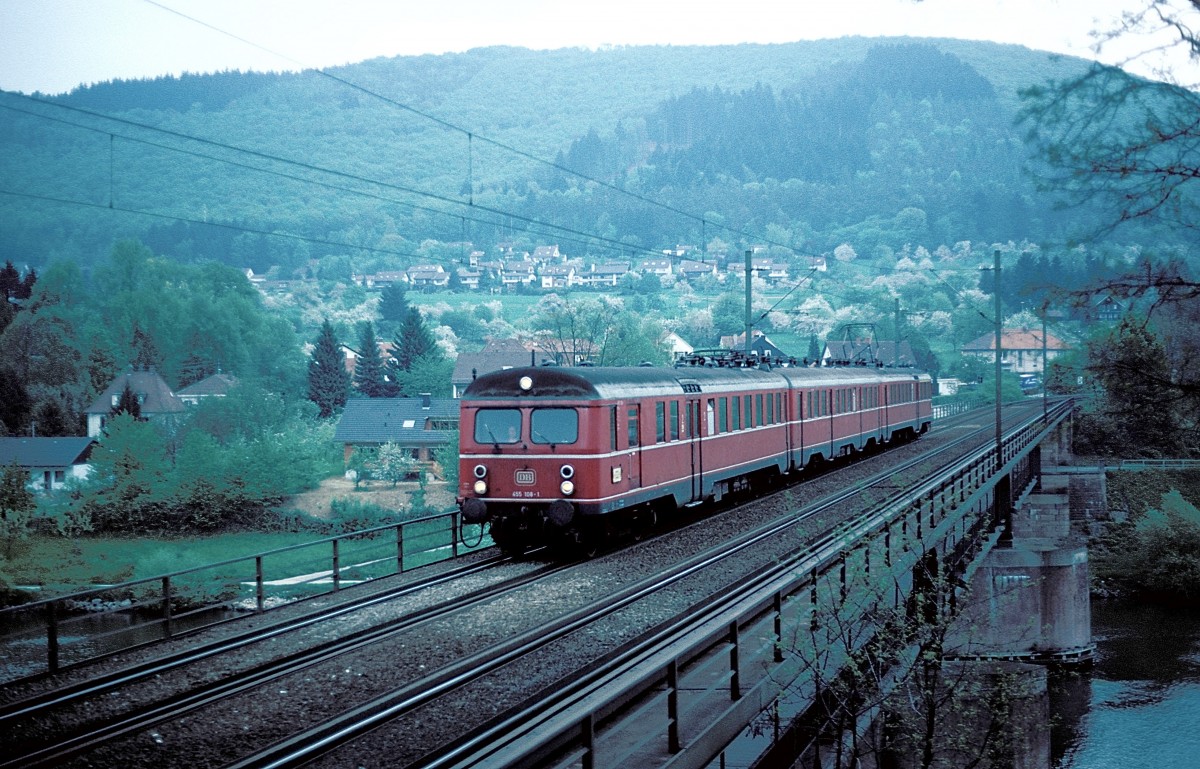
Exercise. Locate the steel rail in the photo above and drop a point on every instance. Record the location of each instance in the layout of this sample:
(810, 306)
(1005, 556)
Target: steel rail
(175, 706)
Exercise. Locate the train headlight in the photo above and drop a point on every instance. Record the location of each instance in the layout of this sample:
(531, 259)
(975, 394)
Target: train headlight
(525, 383)
(567, 488)
(480, 471)
(480, 487)
(567, 472)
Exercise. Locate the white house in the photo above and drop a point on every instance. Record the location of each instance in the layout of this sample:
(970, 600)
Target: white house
(50, 462)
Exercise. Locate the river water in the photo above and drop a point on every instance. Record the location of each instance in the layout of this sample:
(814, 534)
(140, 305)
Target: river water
(1139, 706)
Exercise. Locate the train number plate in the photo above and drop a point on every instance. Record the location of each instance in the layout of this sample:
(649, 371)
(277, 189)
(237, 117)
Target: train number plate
(525, 477)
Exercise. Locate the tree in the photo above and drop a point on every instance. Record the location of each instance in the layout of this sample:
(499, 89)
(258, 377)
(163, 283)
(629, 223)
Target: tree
(413, 341)
(1156, 555)
(328, 380)
(17, 504)
(128, 403)
(1123, 142)
(576, 329)
(52, 419)
(10, 281)
(1143, 404)
(393, 305)
(635, 340)
(429, 374)
(130, 466)
(146, 356)
(885, 694)
(391, 463)
(369, 378)
(15, 404)
(26, 289)
(814, 348)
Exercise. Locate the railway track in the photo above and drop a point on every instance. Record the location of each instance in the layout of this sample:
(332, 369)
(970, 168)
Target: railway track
(58, 705)
(401, 711)
(499, 641)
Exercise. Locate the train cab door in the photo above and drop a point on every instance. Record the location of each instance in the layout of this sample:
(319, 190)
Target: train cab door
(697, 417)
(633, 422)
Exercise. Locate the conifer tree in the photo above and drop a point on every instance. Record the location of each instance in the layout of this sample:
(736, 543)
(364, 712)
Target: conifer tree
(369, 372)
(328, 380)
(10, 281)
(412, 341)
(393, 305)
(146, 356)
(128, 403)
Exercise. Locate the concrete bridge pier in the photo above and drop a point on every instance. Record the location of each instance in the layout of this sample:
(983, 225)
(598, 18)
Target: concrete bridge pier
(1030, 598)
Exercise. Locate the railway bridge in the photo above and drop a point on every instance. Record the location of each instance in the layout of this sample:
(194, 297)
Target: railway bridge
(986, 544)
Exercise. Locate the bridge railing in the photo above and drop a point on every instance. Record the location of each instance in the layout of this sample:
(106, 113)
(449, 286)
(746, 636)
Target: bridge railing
(737, 661)
(53, 633)
(1157, 464)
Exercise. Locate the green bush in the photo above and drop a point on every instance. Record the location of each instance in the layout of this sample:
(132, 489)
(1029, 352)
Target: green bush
(1154, 555)
(353, 515)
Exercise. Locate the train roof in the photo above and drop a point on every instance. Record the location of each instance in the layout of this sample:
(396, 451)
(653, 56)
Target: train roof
(608, 382)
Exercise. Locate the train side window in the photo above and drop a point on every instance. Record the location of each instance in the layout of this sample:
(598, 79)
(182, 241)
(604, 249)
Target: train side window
(674, 420)
(497, 426)
(723, 415)
(660, 422)
(612, 427)
(554, 426)
(749, 403)
(758, 410)
(737, 412)
(710, 416)
(633, 426)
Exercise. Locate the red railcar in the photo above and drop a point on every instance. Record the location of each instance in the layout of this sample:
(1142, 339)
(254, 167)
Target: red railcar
(553, 455)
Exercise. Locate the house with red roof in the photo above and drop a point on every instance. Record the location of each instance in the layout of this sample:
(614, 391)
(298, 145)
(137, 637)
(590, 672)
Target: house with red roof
(1020, 349)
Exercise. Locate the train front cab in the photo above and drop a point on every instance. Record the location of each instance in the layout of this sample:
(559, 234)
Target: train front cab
(520, 466)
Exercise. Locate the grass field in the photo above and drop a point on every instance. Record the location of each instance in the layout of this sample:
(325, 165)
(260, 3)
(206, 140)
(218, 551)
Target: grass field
(59, 565)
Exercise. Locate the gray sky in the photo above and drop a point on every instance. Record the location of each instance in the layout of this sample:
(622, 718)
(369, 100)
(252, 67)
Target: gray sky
(55, 45)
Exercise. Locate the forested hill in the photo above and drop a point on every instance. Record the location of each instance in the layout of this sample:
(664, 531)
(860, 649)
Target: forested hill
(881, 143)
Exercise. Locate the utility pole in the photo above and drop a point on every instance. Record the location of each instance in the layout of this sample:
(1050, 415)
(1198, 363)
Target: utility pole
(896, 354)
(999, 335)
(748, 308)
(1045, 367)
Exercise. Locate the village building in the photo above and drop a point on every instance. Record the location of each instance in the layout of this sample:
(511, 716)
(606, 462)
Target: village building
(417, 425)
(156, 402)
(496, 355)
(216, 386)
(50, 462)
(1020, 350)
(607, 273)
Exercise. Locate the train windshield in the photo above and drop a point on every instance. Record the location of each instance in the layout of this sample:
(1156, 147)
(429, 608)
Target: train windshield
(497, 426)
(555, 426)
